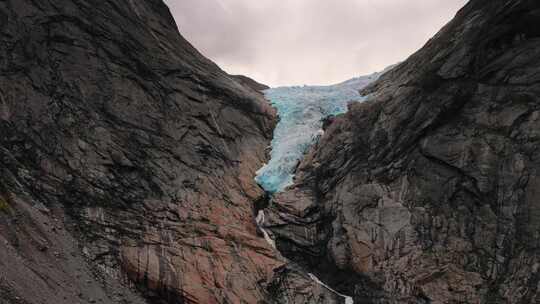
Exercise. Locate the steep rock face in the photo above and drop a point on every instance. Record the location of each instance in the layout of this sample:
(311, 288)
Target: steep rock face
(428, 192)
(127, 159)
(250, 83)
(291, 284)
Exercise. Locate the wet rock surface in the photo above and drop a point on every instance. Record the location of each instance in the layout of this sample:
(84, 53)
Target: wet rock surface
(428, 191)
(292, 284)
(127, 161)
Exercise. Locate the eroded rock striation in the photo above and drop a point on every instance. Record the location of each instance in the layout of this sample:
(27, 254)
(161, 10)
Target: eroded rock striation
(250, 83)
(127, 160)
(428, 191)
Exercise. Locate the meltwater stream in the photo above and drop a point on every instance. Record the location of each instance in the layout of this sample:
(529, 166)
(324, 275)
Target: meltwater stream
(301, 112)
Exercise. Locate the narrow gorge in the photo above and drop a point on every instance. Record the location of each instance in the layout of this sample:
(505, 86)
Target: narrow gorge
(135, 170)
(303, 112)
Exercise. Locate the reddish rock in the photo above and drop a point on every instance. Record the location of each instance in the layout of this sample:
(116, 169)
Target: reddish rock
(145, 150)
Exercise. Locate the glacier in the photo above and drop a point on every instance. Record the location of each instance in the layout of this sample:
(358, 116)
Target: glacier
(301, 111)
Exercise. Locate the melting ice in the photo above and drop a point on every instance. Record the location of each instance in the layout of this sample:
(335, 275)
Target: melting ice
(301, 111)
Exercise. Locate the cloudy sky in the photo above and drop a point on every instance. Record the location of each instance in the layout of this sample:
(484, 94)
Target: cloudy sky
(295, 42)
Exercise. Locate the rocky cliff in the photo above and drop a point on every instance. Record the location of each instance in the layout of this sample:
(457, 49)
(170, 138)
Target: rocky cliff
(127, 161)
(428, 192)
(250, 83)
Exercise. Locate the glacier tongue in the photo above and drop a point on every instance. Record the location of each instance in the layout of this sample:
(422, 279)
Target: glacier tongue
(301, 111)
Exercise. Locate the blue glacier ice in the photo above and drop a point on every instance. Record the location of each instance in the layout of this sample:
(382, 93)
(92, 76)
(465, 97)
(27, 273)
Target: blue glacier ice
(301, 111)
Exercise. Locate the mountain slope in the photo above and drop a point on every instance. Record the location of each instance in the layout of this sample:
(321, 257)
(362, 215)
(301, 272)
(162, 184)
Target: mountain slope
(427, 192)
(127, 160)
(250, 83)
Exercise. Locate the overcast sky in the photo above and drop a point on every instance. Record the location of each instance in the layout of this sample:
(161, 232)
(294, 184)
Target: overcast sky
(295, 42)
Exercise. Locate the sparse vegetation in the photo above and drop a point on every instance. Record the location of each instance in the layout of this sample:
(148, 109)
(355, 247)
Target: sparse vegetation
(4, 206)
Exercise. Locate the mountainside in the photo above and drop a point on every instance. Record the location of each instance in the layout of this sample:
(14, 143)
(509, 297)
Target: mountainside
(128, 164)
(250, 83)
(127, 160)
(428, 191)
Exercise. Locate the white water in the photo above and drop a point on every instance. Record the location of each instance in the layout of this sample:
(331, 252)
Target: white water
(348, 300)
(301, 111)
(260, 223)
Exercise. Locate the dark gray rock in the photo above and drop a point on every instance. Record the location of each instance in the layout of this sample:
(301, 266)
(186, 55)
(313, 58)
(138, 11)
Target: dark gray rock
(428, 192)
(250, 83)
(129, 156)
(292, 284)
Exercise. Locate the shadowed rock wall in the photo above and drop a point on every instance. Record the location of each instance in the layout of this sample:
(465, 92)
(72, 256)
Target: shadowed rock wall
(127, 160)
(428, 193)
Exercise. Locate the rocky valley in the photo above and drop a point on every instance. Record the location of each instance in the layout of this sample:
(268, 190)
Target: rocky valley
(133, 168)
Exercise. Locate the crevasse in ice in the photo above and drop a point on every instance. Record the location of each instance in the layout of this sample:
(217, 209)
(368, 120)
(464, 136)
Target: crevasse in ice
(301, 112)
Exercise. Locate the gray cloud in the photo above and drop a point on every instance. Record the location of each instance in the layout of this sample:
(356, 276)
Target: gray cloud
(309, 41)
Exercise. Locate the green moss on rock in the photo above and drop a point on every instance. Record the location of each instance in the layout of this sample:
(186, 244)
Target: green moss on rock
(4, 206)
